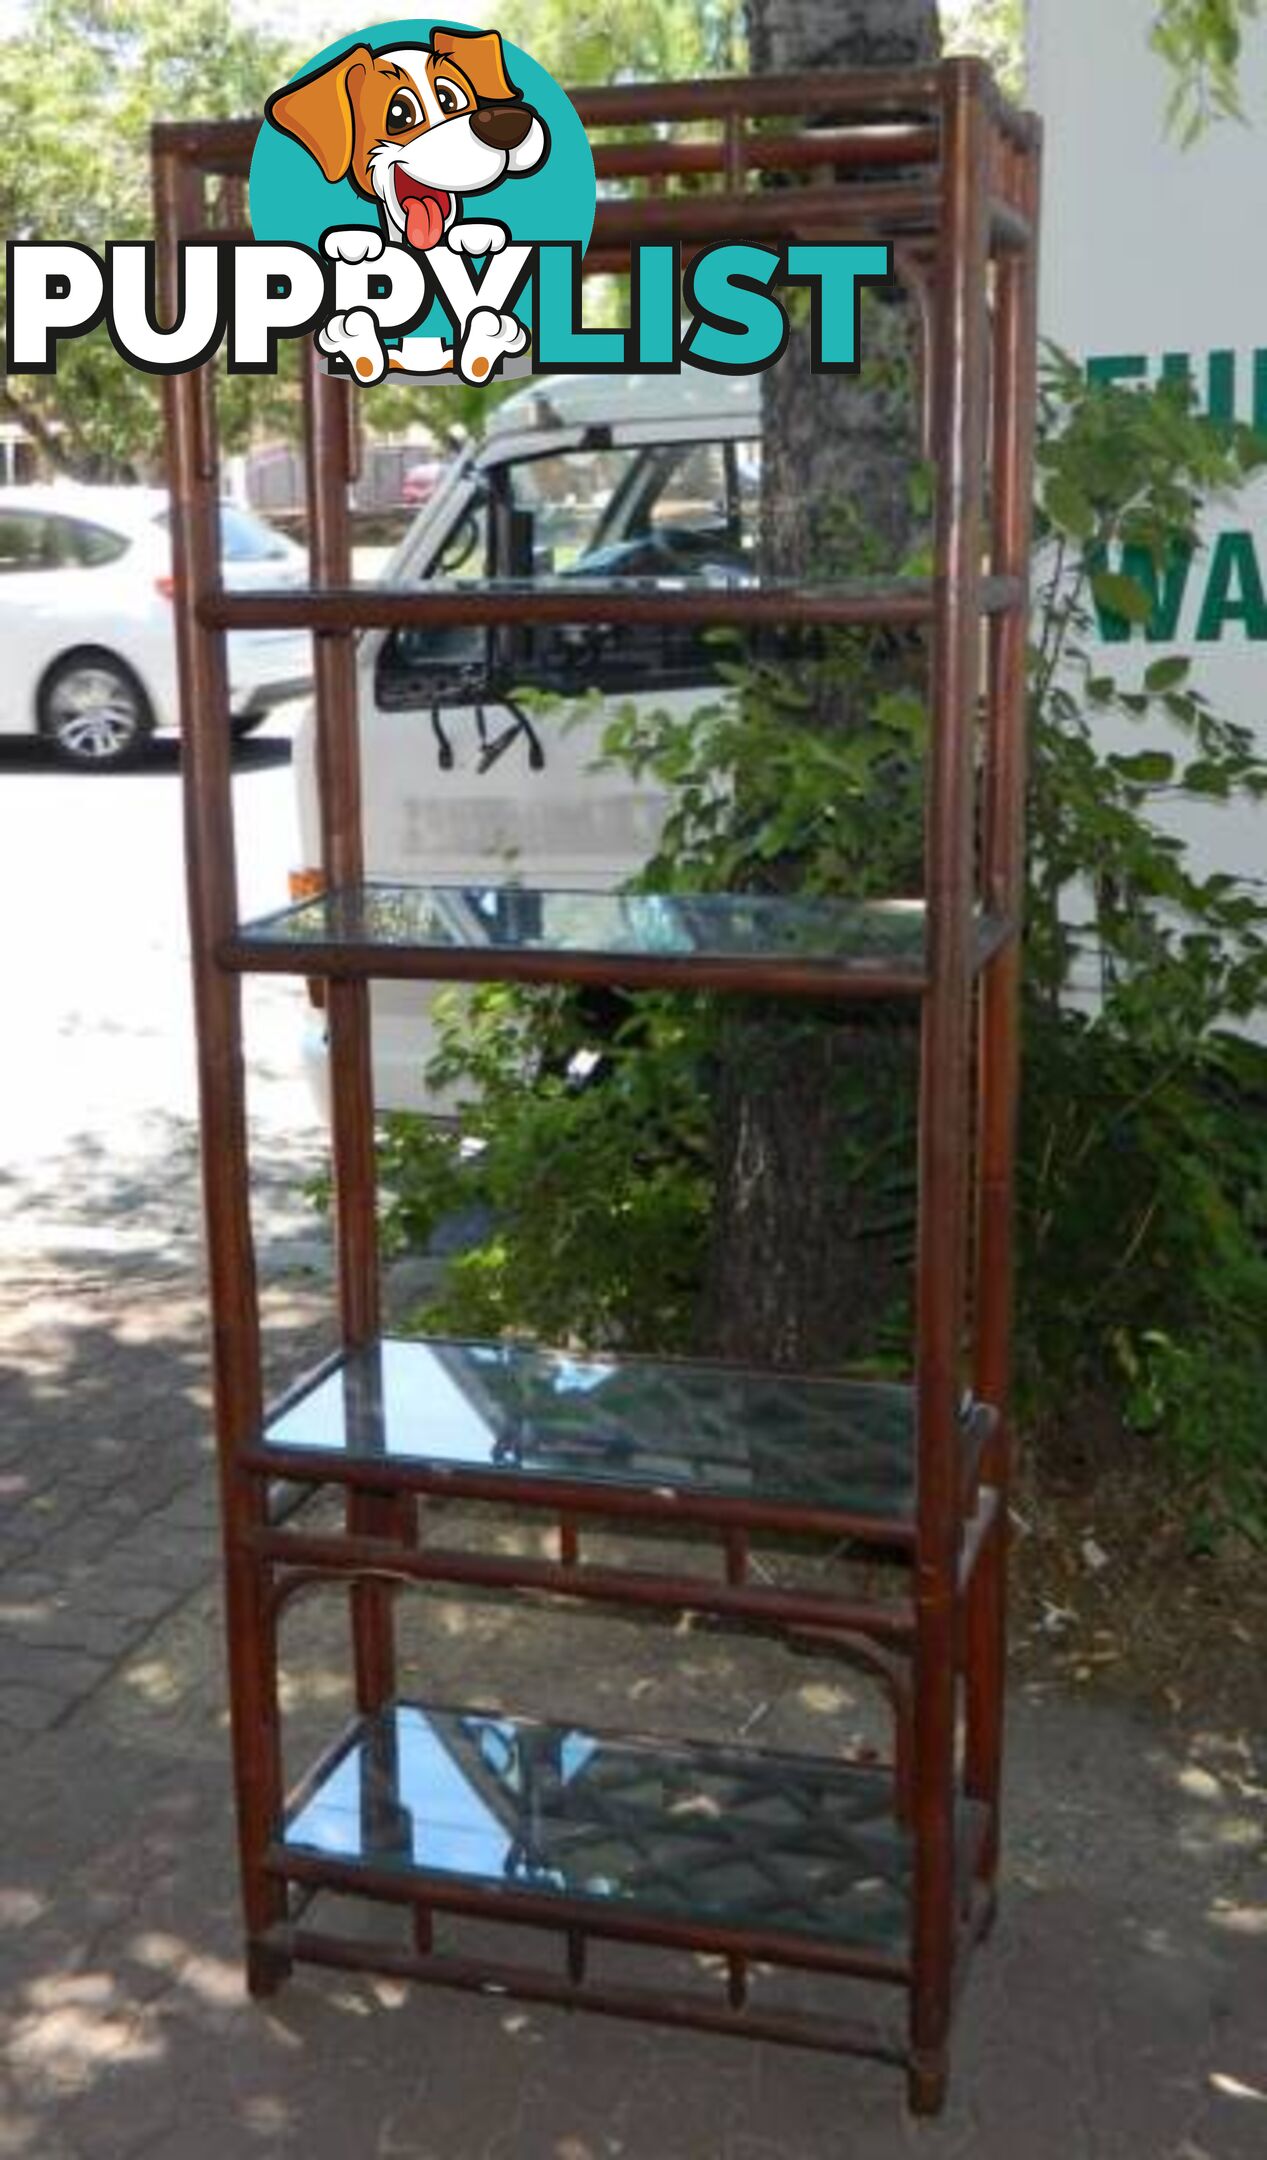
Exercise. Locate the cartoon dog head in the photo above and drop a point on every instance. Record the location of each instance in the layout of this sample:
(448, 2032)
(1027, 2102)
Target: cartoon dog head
(416, 127)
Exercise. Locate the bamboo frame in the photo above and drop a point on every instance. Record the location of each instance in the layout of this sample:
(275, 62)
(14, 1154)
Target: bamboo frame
(965, 210)
(366, 607)
(959, 428)
(1015, 338)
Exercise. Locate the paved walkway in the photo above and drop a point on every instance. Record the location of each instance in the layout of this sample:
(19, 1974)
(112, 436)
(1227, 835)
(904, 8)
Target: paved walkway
(1117, 2015)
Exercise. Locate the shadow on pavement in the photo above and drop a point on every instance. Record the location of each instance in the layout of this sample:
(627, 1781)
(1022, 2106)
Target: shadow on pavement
(28, 754)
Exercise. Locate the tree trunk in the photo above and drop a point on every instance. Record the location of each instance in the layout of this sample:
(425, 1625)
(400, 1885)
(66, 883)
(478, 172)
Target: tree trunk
(789, 36)
(810, 1243)
(59, 445)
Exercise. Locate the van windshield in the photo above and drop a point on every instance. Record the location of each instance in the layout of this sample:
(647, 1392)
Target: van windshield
(663, 510)
(668, 510)
(569, 498)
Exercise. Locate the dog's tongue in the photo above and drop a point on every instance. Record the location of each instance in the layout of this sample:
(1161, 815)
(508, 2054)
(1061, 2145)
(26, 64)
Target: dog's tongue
(424, 222)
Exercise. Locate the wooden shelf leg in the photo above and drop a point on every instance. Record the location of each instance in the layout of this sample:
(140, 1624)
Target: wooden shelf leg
(927, 2077)
(983, 1687)
(267, 1969)
(211, 877)
(392, 1517)
(1015, 315)
(962, 374)
(934, 1867)
(256, 1723)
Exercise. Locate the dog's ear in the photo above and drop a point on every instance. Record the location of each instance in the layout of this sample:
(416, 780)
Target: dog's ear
(479, 55)
(319, 110)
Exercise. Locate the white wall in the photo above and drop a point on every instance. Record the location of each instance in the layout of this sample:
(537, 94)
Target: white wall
(1150, 250)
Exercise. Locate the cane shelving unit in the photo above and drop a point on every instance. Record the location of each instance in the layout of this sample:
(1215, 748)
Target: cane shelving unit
(880, 1873)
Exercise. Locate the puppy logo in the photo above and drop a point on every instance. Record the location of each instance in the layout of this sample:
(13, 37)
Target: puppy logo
(421, 126)
(416, 128)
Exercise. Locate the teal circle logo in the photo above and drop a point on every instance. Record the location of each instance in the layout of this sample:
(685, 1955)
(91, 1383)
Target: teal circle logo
(424, 159)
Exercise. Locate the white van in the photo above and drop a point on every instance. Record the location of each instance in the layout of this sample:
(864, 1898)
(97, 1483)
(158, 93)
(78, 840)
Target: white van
(595, 476)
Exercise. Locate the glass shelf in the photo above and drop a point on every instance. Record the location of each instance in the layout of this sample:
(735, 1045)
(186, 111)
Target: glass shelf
(737, 941)
(719, 1442)
(492, 1807)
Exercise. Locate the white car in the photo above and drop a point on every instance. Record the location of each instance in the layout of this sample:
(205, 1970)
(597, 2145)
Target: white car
(86, 618)
(588, 476)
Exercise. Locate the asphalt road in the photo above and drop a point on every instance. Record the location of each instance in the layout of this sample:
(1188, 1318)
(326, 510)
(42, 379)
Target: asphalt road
(97, 1075)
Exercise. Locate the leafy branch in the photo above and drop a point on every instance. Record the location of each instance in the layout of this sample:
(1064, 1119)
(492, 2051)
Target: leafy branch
(1201, 42)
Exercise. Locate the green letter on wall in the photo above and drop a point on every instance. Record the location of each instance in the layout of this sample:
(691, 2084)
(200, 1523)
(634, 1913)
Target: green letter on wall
(1166, 592)
(1235, 590)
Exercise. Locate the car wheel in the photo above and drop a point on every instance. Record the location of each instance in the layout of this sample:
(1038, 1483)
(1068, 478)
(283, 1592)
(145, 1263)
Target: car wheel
(93, 710)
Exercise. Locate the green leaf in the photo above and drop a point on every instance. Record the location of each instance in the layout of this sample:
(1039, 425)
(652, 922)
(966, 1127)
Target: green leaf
(1068, 507)
(1206, 778)
(1147, 768)
(1181, 707)
(1119, 595)
(1165, 674)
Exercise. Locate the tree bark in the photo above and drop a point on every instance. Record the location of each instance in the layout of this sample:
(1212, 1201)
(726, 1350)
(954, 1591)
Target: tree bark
(787, 36)
(810, 1242)
(62, 448)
